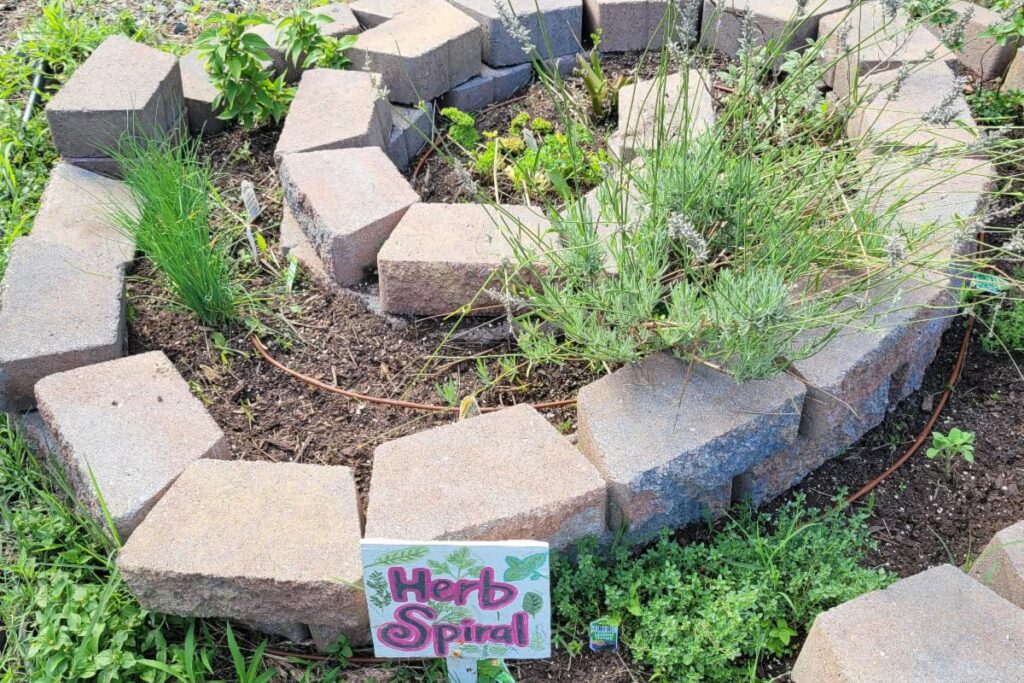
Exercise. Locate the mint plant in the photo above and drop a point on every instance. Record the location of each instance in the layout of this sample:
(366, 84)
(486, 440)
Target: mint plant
(947, 447)
(239, 68)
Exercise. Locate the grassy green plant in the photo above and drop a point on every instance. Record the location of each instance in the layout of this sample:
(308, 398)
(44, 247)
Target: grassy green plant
(947, 447)
(713, 611)
(61, 36)
(996, 108)
(1010, 28)
(169, 221)
(236, 59)
(747, 244)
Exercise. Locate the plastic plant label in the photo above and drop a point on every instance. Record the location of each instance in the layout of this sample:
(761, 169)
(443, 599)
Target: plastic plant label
(604, 635)
(468, 600)
(252, 203)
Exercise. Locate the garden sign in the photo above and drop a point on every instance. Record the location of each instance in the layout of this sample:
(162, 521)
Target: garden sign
(473, 603)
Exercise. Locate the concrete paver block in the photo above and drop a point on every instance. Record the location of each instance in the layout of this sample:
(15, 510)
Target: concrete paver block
(59, 309)
(199, 92)
(128, 428)
(500, 476)
(347, 202)
(552, 28)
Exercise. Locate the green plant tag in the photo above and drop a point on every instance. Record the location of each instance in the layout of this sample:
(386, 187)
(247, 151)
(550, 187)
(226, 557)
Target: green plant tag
(604, 635)
(493, 671)
(993, 284)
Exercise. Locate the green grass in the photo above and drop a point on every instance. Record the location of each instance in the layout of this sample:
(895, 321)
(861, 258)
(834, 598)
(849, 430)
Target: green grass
(713, 611)
(62, 36)
(172, 193)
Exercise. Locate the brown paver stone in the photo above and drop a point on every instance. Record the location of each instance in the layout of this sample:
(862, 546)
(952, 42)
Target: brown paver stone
(79, 210)
(984, 56)
(347, 202)
(939, 626)
(1014, 79)
(127, 427)
(723, 21)
(334, 109)
(1000, 566)
(253, 541)
(199, 92)
(874, 42)
(500, 476)
(670, 437)
(683, 104)
(445, 256)
(59, 309)
(372, 13)
(421, 54)
(901, 115)
(123, 87)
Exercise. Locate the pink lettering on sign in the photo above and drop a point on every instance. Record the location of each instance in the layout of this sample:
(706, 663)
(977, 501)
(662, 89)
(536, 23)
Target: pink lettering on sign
(413, 629)
(422, 587)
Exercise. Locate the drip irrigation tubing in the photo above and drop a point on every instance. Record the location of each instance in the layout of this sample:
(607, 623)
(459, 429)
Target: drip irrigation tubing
(393, 402)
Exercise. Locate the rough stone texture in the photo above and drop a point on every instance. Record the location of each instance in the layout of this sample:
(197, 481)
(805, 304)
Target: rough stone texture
(898, 122)
(723, 22)
(876, 43)
(373, 13)
(628, 25)
(686, 106)
(343, 20)
(492, 85)
(565, 65)
(128, 428)
(444, 256)
(123, 87)
(939, 626)
(1014, 79)
(1001, 564)
(421, 54)
(79, 209)
(59, 309)
(412, 129)
(38, 437)
(334, 109)
(553, 27)
(984, 56)
(199, 94)
(670, 437)
(500, 476)
(253, 541)
(295, 243)
(347, 202)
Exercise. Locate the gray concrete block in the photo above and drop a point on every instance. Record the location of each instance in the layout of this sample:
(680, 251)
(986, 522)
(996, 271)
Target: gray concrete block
(347, 202)
(670, 437)
(552, 29)
(415, 126)
(635, 25)
(125, 430)
(59, 309)
(982, 55)
(722, 22)
(373, 13)
(1000, 566)
(122, 88)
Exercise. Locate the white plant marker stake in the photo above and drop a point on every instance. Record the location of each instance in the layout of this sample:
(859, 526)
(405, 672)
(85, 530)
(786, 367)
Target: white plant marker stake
(461, 670)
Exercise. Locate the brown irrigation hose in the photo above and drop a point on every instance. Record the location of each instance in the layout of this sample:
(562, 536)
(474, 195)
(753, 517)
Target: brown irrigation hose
(396, 403)
(954, 377)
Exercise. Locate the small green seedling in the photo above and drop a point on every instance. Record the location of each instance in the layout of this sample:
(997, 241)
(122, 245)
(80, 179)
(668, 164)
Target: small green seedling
(948, 446)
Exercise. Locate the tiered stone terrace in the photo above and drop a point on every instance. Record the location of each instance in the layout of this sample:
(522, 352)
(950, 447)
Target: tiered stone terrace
(275, 545)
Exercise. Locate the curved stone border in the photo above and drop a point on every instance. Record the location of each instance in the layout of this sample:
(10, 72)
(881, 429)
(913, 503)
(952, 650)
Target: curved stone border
(267, 543)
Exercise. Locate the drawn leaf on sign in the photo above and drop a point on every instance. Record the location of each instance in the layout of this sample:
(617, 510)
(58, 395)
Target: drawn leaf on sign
(463, 563)
(381, 596)
(401, 556)
(525, 568)
(532, 603)
(439, 567)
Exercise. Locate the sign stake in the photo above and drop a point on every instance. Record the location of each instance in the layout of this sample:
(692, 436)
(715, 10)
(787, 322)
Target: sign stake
(461, 670)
